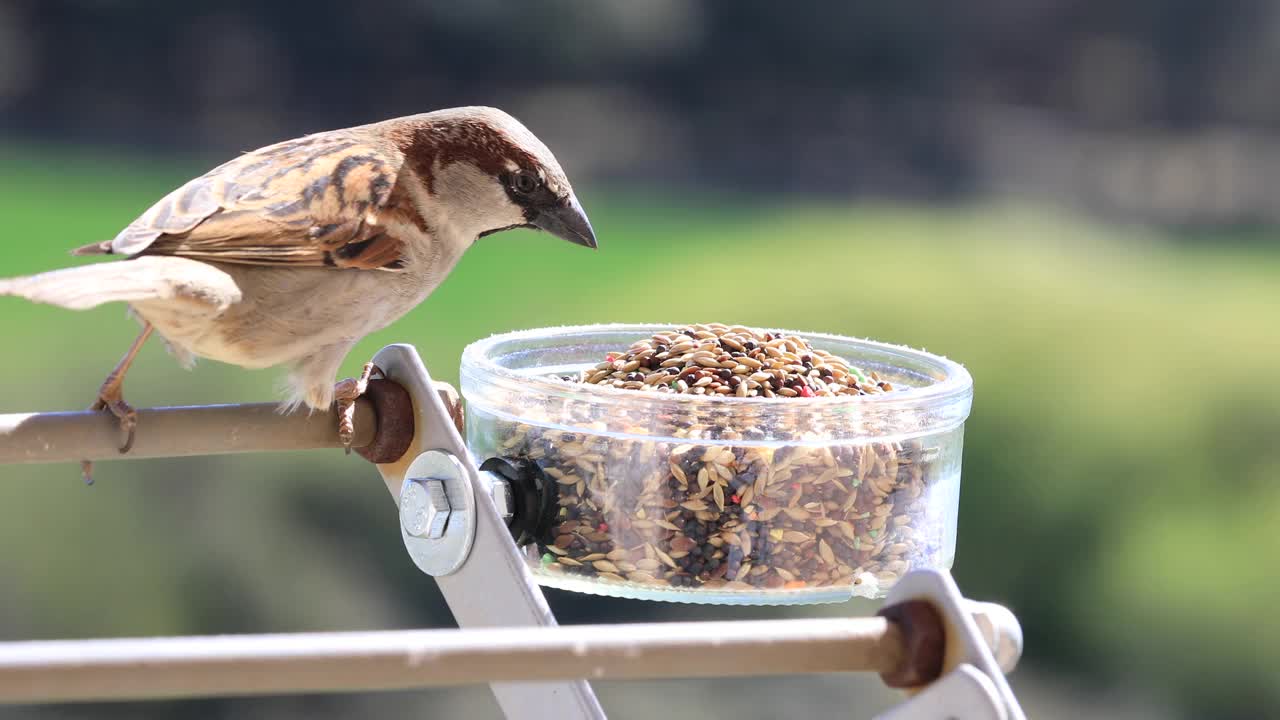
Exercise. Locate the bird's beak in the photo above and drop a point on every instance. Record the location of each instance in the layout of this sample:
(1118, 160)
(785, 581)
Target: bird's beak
(566, 221)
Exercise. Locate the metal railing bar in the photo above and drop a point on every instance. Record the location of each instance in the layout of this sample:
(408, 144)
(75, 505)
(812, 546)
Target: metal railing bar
(188, 667)
(52, 437)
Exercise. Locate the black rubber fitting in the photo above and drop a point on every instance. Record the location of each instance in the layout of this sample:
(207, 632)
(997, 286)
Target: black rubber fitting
(534, 497)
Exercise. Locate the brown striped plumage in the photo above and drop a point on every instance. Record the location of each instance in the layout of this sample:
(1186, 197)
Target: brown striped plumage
(302, 202)
(290, 254)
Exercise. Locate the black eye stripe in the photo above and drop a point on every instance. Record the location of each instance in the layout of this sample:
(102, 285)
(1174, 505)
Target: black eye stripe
(533, 194)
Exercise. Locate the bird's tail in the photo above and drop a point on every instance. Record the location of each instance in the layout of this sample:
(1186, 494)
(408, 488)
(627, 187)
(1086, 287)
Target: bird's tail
(139, 279)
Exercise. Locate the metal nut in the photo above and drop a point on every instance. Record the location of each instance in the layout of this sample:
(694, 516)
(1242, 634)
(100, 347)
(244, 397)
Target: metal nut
(424, 508)
(500, 491)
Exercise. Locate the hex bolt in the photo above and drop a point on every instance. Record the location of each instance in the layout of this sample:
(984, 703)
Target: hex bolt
(438, 512)
(424, 508)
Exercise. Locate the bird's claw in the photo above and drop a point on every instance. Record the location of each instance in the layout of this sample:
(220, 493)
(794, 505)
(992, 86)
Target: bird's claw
(345, 394)
(111, 398)
(125, 414)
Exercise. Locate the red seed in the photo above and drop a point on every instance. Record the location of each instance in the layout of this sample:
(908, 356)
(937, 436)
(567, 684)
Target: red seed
(805, 391)
(603, 527)
(736, 498)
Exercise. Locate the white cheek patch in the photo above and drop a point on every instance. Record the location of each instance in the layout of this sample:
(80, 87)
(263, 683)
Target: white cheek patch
(470, 202)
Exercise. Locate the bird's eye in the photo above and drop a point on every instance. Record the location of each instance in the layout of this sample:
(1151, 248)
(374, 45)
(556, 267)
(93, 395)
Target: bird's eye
(525, 182)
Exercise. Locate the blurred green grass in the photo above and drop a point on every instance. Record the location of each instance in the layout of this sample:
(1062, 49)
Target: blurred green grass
(1120, 466)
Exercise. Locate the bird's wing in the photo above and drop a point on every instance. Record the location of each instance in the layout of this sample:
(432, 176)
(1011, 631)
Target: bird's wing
(311, 202)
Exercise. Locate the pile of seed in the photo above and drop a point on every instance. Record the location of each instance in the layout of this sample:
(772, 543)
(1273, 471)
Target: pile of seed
(719, 360)
(713, 509)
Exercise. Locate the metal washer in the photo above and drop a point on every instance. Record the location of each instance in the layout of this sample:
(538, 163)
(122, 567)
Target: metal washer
(444, 555)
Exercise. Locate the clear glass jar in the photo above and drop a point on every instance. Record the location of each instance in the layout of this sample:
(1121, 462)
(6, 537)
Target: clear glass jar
(722, 499)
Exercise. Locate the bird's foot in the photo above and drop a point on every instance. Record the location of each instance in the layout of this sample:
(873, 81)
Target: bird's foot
(345, 394)
(111, 398)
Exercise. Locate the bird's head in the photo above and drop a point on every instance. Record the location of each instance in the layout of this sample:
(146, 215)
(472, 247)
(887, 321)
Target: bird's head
(488, 173)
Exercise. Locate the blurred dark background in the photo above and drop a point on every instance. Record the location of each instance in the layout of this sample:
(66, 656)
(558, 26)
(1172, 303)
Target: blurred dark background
(1076, 200)
(1153, 109)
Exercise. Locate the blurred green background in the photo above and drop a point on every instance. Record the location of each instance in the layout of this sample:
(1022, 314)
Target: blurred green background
(1076, 203)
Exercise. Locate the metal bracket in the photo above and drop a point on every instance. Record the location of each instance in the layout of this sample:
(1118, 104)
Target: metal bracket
(972, 685)
(962, 694)
(488, 585)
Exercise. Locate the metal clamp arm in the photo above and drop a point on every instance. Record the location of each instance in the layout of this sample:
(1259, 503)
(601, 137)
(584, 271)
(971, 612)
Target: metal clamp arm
(979, 642)
(478, 568)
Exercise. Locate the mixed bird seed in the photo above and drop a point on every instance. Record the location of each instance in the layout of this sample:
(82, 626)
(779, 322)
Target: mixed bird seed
(718, 360)
(712, 508)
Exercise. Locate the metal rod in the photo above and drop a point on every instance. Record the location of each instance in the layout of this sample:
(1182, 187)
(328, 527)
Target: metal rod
(175, 432)
(84, 670)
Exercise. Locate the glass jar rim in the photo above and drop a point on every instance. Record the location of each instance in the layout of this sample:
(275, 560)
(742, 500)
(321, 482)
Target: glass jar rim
(951, 381)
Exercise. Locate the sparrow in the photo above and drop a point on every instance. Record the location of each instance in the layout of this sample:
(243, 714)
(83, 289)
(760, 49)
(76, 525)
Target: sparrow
(292, 253)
